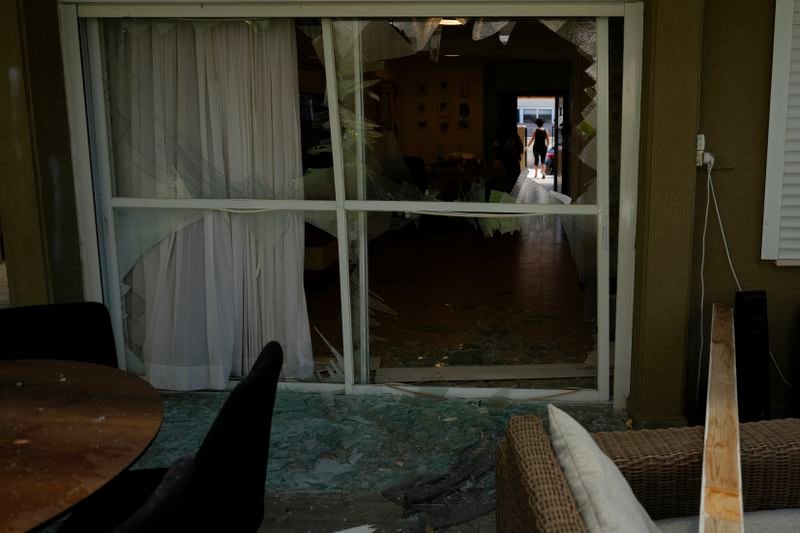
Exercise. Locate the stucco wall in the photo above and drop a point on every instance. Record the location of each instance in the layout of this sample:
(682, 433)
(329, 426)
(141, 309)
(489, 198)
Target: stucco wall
(37, 202)
(734, 115)
(666, 196)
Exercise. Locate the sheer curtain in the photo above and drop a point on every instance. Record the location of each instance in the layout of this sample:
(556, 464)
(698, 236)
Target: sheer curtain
(207, 110)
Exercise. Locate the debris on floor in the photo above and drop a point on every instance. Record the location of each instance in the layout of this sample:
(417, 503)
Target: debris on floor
(333, 371)
(462, 493)
(326, 442)
(358, 529)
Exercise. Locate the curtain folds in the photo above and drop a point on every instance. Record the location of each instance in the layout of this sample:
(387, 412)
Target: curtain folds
(208, 110)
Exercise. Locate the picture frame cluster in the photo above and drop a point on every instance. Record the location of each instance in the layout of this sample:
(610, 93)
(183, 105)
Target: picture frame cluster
(443, 109)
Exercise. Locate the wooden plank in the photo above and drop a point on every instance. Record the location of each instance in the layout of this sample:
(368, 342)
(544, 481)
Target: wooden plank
(483, 373)
(721, 498)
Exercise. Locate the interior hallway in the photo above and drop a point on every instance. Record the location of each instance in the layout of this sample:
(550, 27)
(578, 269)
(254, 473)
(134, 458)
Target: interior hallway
(463, 299)
(460, 298)
(548, 182)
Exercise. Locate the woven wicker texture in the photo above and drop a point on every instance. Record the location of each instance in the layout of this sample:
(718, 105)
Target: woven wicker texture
(663, 468)
(532, 493)
(770, 464)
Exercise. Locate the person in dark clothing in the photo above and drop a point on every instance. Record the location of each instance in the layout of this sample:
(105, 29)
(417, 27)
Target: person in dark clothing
(540, 141)
(508, 148)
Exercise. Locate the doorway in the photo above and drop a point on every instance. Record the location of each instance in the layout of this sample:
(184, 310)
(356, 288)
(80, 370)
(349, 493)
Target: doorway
(478, 297)
(550, 110)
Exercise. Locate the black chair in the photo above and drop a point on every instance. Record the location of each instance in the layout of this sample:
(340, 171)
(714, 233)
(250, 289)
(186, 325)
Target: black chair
(79, 331)
(416, 167)
(220, 488)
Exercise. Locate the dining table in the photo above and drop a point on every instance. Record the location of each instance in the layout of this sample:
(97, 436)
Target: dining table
(66, 429)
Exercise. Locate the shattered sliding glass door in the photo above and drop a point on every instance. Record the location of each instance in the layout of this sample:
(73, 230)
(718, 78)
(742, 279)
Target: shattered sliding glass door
(206, 142)
(365, 191)
(466, 269)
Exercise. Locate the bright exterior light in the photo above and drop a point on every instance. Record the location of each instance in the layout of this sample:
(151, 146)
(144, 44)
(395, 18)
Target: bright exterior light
(452, 22)
(452, 55)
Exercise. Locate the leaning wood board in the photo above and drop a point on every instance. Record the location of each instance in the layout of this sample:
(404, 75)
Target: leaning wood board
(721, 498)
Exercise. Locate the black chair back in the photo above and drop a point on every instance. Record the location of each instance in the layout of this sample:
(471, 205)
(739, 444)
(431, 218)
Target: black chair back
(222, 488)
(235, 450)
(79, 331)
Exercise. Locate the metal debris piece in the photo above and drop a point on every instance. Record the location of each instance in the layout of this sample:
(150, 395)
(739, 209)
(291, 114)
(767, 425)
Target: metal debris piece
(359, 529)
(355, 457)
(462, 493)
(335, 367)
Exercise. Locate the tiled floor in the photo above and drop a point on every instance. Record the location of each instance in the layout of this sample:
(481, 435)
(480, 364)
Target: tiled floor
(465, 299)
(335, 511)
(331, 456)
(455, 297)
(370, 442)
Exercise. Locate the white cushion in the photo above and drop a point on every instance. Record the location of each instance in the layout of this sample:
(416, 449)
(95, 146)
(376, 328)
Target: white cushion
(604, 498)
(774, 521)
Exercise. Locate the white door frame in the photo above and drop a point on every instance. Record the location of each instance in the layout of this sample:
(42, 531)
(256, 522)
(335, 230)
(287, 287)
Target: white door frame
(90, 240)
(628, 194)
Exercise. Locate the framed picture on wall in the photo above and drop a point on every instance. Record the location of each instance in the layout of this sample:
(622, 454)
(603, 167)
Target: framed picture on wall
(463, 91)
(422, 89)
(422, 124)
(443, 87)
(444, 107)
(421, 108)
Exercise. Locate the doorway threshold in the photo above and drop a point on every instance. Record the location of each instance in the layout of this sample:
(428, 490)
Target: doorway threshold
(454, 392)
(483, 373)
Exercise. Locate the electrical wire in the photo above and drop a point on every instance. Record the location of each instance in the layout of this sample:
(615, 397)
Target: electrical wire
(778, 368)
(722, 230)
(711, 194)
(703, 281)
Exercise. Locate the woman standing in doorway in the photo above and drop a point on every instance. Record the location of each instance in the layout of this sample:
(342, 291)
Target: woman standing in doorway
(540, 141)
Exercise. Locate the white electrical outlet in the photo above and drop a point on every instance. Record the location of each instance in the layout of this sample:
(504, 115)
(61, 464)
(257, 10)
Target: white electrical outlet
(701, 143)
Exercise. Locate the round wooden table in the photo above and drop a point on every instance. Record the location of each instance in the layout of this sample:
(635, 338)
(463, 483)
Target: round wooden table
(67, 428)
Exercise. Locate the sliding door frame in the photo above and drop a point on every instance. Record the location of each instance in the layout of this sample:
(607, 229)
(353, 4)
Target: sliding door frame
(95, 204)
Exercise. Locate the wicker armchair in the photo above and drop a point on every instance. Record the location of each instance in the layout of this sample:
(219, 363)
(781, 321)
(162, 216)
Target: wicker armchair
(663, 468)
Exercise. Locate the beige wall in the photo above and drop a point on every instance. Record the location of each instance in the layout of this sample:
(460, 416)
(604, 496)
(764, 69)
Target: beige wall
(670, 95)
(726, 45)
(734, 110)
(19, 202)
(416, 141)
(37, 202)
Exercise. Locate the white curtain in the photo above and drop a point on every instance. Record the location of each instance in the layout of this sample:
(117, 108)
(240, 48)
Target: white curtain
(208, 110)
